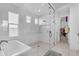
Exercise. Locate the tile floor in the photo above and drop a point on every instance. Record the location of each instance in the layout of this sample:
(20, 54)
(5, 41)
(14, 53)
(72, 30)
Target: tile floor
(40, 48)
(63, 48)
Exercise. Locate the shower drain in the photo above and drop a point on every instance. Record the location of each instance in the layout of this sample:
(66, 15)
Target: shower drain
(38, 45)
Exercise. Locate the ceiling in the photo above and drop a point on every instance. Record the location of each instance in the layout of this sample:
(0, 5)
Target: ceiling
(59, 5)
(39, 9)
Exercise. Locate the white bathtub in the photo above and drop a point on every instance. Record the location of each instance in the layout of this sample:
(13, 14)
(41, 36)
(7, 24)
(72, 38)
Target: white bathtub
(14, 48)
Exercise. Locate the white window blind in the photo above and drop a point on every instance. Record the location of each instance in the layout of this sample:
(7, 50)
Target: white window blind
(13, 18)
(13, 24)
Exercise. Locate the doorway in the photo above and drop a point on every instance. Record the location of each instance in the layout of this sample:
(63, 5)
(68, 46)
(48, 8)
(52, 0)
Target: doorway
(64, 29)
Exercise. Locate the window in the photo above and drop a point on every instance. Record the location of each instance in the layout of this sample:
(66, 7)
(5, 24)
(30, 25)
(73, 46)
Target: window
(4, 23)
(42, 21)
(28, 19)
(13, 24)
(13, 18)
(13, 32)
(36, 21)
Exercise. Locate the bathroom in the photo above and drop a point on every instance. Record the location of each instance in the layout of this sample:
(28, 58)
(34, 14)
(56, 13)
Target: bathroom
(33, 29)
(24, 28)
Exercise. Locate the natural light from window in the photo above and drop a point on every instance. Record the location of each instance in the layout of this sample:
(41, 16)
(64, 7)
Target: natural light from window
(36, 21)
(28, 19)
(13, 24)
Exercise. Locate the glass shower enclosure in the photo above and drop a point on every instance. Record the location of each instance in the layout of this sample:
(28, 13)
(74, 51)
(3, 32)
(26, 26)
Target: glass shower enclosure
(24, 34)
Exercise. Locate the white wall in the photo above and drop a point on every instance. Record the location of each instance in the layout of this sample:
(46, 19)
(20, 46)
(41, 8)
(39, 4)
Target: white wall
(28, 33)
(74, 27)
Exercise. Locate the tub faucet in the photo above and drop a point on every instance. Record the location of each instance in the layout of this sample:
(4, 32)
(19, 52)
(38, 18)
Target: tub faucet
(2, 42)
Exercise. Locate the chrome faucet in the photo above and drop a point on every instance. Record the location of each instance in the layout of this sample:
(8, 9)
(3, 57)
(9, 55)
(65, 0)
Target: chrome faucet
(2, 42)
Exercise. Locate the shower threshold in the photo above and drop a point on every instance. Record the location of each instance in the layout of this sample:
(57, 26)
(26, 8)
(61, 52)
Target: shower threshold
(52, 53)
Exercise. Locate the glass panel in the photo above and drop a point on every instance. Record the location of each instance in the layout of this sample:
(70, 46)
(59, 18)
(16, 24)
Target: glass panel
(13, 18)
(28, 39)
(13, 26)
(13, 32)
